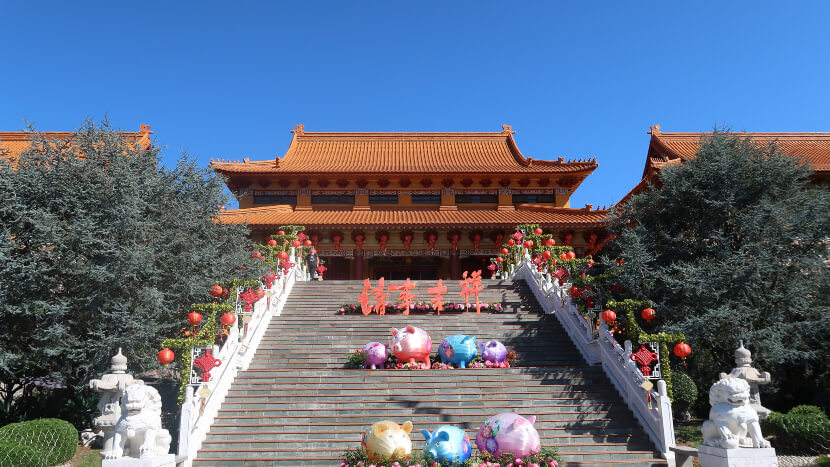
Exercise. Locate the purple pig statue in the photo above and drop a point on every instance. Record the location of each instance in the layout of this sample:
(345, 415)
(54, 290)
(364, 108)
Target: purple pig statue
(493, 351)
(509, 432)
(376, 354)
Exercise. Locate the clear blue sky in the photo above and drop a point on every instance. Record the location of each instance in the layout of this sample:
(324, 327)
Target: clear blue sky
(575, 79)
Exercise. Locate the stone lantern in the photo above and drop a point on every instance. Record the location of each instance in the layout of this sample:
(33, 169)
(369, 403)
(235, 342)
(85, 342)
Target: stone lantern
(755, 378)
(111, 386)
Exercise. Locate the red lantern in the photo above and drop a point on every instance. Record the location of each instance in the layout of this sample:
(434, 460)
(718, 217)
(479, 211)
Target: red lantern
(282, 255)
(216, 290)
(511, 242)
(272, 242)
(537, 231)
(550, 242)
(166, 356)
(505, 251)
(571, 255)
(228, 319)
(563, 256)
(194, 318)
(499, 259)
(590, 262)
(528, 244)
(296, 243)
(546, 254)
(682, 350)
(280, 233)
(307, 243)
(648, 314)
(608, 316)
(574, 291)
(256, 255)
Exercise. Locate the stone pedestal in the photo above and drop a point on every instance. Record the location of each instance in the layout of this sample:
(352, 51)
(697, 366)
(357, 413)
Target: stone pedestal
(742, 457)
(167, 460)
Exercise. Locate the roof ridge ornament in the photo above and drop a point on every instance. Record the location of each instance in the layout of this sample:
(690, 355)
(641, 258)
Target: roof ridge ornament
(654, 130)
(298, 130)
(507, 129)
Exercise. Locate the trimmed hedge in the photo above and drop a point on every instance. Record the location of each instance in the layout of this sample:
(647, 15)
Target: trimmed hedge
(685, 391)
(47, 441)
(804, 430)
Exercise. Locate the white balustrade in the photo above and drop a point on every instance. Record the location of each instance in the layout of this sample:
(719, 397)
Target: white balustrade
(598, 347)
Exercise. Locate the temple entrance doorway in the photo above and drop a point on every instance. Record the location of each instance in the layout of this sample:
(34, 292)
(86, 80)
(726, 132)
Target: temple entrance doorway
(474, 263)
(401, 267)
(338, 268)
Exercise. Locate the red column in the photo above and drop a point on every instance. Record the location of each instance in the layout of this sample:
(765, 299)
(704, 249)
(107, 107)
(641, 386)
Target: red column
(455, 266)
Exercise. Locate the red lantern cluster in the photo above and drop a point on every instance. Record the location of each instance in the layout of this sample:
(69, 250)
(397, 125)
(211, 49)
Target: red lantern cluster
(528, 244)
(546, 254)
(194, 318)
(608, 316)
(166, 356)
(648, 314)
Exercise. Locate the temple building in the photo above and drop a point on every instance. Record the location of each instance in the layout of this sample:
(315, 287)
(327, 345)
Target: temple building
(13, 143)
(418, 205)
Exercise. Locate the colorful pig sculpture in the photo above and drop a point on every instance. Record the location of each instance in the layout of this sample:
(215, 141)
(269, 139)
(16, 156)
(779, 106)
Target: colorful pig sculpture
(387, 439)
(376, 354)
(509, 432)
(458, 349)
(447, 444)
(493, 351)
(411, 345)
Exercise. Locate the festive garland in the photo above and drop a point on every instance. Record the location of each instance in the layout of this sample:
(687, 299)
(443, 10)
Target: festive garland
(205, 337)
(547, 457)
(422, 308)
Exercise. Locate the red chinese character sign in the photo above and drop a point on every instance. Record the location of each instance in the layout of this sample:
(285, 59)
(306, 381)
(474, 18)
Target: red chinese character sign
(476, 288)
(203, 362)
(405, 297)
(379, 294)
(466, 285)
(438, 296)
(364, 298)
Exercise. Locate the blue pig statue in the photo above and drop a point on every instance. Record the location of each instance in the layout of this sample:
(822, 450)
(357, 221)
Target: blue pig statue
(458, 349)
(447, 444)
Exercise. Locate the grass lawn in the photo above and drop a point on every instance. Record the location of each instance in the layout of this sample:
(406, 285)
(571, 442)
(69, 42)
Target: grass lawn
(688, 433)
(85, 457)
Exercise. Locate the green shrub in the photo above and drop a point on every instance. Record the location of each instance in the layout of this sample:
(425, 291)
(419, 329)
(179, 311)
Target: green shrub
(804, 430)
(685, 390)
(16, 455)
(53, 441)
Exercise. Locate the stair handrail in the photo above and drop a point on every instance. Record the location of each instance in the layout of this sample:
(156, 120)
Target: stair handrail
(598, 347)
(200, 410)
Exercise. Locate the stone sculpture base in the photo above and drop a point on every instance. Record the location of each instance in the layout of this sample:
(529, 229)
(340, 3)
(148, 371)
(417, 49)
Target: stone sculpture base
(167, 460)
(743, 457)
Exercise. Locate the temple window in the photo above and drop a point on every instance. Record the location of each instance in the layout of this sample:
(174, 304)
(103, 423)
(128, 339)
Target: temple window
(332, 199)
(533, 199)
(275, 199)
(426, 199)
(383, 199)
(476, 199)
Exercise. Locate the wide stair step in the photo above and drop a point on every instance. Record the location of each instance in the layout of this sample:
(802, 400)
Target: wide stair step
(297, 405)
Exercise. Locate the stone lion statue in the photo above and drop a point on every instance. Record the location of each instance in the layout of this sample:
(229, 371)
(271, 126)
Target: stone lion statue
(138, 432)
(732, 423)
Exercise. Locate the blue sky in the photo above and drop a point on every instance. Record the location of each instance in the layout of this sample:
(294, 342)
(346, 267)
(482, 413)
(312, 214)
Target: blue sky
(575, 79)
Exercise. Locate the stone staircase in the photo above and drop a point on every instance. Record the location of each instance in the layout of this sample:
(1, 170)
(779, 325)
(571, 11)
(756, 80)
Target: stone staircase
(297, 406)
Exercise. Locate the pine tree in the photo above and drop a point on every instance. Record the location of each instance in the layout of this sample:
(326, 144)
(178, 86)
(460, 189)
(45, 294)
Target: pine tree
(101, 247)
(731, 245)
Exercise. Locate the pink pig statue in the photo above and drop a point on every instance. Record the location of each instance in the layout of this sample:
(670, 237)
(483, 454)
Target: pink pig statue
(411, 345)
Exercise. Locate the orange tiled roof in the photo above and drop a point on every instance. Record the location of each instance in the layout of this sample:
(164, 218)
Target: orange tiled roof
(813, 147)
(13, 143)
(429, 153)
(284, 215)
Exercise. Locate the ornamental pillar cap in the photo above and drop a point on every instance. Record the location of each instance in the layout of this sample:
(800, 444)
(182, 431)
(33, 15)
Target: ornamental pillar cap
(118, 363)
(742, 355)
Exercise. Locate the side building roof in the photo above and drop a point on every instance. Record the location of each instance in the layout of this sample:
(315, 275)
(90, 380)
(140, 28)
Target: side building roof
(13, 143)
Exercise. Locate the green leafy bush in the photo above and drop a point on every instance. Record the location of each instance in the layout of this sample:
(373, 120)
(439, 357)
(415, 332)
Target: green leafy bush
(804, 430)
(685, 391)
(47, 441)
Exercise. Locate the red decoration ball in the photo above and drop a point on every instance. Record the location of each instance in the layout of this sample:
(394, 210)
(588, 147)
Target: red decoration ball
(608, 316)
(574, 291)
(216, 290)
(563, 256)
(528, 244)
(511, 242)
(505, 251)
(546, 254)
(307, 243)
(272, 242)
(228, 319)
(295, 243)
(648, 314)
(571, 255)
(682, 350)
(281, 232)
(282, 255)
(499, 259)
(537, 231)
(194, 318)
(550, 242)
(166, 356)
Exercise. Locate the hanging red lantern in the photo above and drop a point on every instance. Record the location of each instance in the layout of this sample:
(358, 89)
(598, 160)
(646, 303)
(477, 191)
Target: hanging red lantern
(307, 243)
(648, 314)
(505, 251)
(528, 244)
(281, 232)
(682, 350)
(571, 255)
(537, 231)
(511, 242)
(563, 256)
(166, 356)
(296, 243)
(228, 319)
(194, 318)
(499, 259)
(216, 290)
(546, 254)
(550, 242)
(590, 262)
(256, 255)
(282, 255)
(574, 291)
(272, 242)
(608, 316)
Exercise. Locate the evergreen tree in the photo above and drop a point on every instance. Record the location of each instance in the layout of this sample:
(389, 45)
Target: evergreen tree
(731, 245)
(101, 247)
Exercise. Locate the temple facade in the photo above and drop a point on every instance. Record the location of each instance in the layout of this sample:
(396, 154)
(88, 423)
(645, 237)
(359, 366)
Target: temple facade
(418, 205)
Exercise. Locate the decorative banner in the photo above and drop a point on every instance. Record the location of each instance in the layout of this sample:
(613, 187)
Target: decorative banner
(648, 360)
(201, 362)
